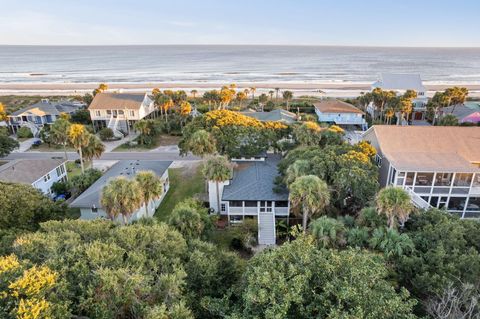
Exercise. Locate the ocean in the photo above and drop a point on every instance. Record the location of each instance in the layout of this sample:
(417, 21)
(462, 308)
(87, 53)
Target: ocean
(225, 64)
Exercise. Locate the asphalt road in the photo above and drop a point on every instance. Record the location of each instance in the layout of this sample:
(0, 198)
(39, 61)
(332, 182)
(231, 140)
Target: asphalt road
(167, 156)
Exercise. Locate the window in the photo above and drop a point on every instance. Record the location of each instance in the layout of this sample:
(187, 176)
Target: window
(223, 207)
(251, 203)
(59, 173)
(410, 178)
(392, 177)
(120, 112)
(132, 113)
(424, 179)
(60, 170)
(476, 180)
(443, 179)
(473, 204)
(94, 209)
(97, 113)
(281, 203)
(456, 203)
(265, 206)
(462, 179)
(236, 203)
(109, 112)
(46, 178)
(378, 160)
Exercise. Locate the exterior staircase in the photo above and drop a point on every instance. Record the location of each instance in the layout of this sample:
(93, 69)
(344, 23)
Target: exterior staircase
(34, 128)
(266, 228)
(417, 200)
(113, 125)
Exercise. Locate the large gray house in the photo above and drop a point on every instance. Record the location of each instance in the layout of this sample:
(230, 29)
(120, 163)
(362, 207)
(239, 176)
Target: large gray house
(250, 194)
(89, 200)
(438, 165)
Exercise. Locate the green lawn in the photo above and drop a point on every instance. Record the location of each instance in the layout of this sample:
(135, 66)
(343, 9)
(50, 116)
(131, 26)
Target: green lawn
(184, 183)
(73, 169)
(52, 148)
(161, 140)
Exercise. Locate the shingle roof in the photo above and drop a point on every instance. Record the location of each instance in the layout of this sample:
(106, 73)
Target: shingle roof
(48, 108)
(27, 171)
(335, 106)
(430, 148)
(117, 101)
(391, 81)
(126, 168)
(255, 180)
(460, 111)
(277, 115)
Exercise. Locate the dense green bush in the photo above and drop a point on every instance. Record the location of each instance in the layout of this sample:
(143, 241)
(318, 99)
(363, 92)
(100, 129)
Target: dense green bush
(106, 134)
(24, 132)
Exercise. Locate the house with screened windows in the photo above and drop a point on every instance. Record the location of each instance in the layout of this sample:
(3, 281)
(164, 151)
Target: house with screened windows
(438, 165)
(119, 111)
(40, 173)
(251, 194)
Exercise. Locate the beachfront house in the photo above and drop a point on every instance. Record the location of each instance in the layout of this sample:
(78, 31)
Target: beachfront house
(250, 195)
(40, 173)
(400, 83)
(469, 112)
(438, 165)
(89, 200)
(277, 115)
(337, 112)
(39, 114)
(119, 111)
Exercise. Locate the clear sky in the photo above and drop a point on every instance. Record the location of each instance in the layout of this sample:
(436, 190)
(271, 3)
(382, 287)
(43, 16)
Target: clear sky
(310, 22)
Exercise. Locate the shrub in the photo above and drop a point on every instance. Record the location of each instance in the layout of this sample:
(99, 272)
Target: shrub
(24, 132)
(106, 134)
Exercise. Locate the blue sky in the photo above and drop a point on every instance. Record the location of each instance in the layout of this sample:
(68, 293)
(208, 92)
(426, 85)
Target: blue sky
(307, 22)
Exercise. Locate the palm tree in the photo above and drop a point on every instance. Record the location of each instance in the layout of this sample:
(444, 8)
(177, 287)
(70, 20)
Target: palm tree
(287, 96)
(271, 94)
(202, 143)
(144, 128)
(297, 169)
(94, 148)
(59, 133)
(395, 203)
(311, 194)
(121, 196)
(276, 93)
(79, 137)
(194, 93)
(217, 169)
(328, 232)
(391, 242)
(253, 90)
(150, 185)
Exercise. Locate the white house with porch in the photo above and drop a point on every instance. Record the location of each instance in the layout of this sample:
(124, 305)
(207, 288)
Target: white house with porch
(400, 83)
(337, 112)
(119, 111)
(250, 195)
(438, 165)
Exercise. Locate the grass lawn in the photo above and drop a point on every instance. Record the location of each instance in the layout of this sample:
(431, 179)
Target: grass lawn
(161, 140)
(73, 169)
(53, 148)
(185, 182)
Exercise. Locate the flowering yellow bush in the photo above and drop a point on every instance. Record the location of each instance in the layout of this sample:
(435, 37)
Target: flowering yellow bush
(312, 126)
(33, 309)
(8, 263)
(356, 156)
(366, 148)
(336, 129)
(33, 281)
(220, 118)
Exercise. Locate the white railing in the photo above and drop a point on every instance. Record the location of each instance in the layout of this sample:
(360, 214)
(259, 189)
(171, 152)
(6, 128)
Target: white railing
(112, 124)
(417, 200)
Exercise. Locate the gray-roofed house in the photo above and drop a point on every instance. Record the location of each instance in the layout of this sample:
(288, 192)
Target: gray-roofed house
(40, 173)
(277, 115)
(400, 83)
(250, 194)
(339, 113)
(462, 112)
(44, 112)
(89, 200)
(438, 165)
(119, 111)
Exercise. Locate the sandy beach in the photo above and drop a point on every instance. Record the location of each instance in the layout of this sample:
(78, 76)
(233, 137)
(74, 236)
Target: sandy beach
(343, 89)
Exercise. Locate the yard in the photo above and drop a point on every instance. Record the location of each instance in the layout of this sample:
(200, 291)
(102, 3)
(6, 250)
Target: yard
(185, 182)
(161, 140)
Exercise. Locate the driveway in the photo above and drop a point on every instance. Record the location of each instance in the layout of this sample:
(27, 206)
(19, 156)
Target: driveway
(26, 145)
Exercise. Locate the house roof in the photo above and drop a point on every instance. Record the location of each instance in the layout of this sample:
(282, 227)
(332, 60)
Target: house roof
(117, 101)
(27, 171)
(392, 81)
(255, 180)
(460, 111)
(430, 148)
(335, 106)
(126, 168)
(48, 108)
(277, 115)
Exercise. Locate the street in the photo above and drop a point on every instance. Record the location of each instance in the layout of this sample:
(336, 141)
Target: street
(166, 156)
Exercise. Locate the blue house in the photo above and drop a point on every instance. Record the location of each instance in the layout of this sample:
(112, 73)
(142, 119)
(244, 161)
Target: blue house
(337, 112)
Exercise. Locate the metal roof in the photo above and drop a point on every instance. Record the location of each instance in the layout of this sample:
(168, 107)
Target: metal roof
(27, 171)
(126, 168)
(48, 108)
(392, 81)
(277, 115)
